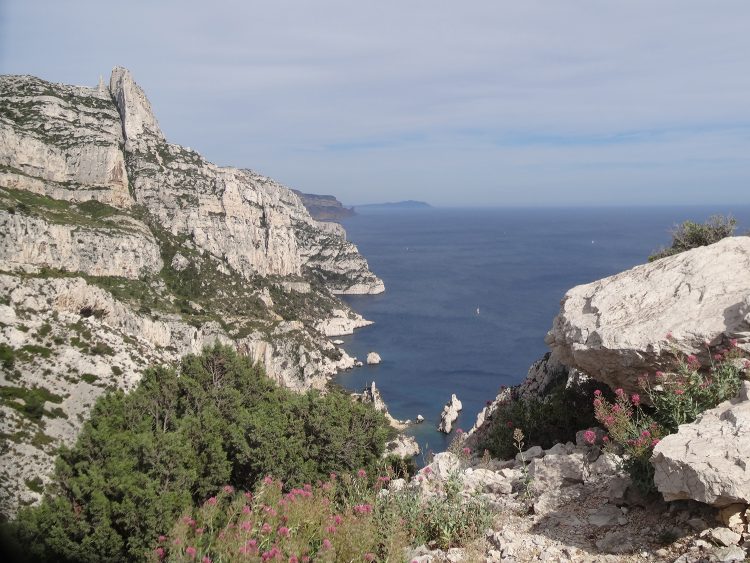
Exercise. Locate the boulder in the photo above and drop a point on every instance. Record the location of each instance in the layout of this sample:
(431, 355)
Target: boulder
(486, 481)
(373, 358)
(557, 470)
(707, 460)
(449, 414)
(402, 446)
(618, 328)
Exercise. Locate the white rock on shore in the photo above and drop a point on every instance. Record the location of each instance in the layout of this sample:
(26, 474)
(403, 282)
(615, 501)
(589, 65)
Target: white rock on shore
(449, 414)
(373, 358)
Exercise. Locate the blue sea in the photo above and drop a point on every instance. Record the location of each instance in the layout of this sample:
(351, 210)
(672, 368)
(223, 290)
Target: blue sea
(513, 266)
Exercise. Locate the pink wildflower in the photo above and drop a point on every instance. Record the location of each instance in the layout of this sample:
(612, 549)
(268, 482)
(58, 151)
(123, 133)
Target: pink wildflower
(331, 530)
(266, 528)
(228, 489)
(160, 552)
(332, 476)
(605, 439)
(212, 501)
(427, 470)
(283, 531)
(459, 431)
(616, 408)
(598, 392)
(597, 402)
(246, 509)
(609, 421)
(293, 559)
(589, 436)
(466, 451)
(162, 539)
(267, 480)
(654, 442)
(635, 399)
(337, 519)
(246, 526)
(206, 559)
(679, 391)
(248, 495)
(369, 557)
(645, 433)
(619, 392)
(327, 543)
(733, 343)
(190, 551)
(669, 335)
(659, 374)
(361, 473)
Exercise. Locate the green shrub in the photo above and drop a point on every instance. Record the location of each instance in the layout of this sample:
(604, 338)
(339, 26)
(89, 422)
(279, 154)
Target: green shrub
(692, 235)
(545, 421)
(145, 457)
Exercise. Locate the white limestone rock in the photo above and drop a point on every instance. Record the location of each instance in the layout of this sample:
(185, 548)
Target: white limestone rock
(340, 323)
(449, 414)
(122, 247)
(373, 359)
(61, 141)
(707, 460)
(615, 329)
(402, 446)
(558, 470)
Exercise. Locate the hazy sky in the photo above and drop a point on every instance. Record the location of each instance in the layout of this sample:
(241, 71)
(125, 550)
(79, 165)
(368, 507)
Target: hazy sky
(475, 102)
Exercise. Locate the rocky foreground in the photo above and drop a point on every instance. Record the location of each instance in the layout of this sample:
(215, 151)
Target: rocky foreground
(574, 503)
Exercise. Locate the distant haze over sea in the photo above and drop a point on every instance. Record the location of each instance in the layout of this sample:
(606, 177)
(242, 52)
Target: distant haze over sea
(441, 266)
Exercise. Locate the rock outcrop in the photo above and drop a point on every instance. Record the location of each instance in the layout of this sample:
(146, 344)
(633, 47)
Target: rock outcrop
(449, 414)
(618, 328)
(371, 394)
(253, 224)
(708, 460)
(373, 359)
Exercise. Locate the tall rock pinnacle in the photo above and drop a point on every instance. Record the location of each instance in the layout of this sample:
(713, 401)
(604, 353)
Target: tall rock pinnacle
(138, 120)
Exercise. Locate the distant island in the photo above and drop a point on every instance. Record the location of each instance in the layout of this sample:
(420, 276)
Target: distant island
(408, 204)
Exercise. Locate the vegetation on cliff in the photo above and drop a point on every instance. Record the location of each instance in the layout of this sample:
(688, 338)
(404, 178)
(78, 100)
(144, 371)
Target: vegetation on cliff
(181, 436)
(689, 235)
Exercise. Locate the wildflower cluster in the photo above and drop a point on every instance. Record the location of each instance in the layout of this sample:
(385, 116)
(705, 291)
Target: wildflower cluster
(308, 523)
(345, 518)
(633, 430)
(675, 397)
(679, 396)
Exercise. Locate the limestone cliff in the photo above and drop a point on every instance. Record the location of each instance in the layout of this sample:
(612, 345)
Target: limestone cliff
(119, 250)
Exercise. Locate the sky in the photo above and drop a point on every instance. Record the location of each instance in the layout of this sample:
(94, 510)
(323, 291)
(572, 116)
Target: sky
(485, 102)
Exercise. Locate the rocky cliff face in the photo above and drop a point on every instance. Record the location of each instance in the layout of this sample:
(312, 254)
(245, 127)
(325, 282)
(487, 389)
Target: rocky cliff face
(119, 250)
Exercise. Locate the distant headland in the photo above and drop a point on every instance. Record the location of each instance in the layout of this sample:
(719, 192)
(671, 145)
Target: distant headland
(408, 204)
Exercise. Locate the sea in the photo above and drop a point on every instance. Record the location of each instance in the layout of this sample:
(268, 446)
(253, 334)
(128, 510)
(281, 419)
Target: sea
(471, 293)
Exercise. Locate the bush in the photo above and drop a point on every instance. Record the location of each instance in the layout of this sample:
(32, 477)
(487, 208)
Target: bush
(545, 421)
(145, 457)
(692, 235)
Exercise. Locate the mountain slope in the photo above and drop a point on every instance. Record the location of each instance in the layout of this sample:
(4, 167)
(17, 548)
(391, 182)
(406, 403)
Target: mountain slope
(119, 250)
